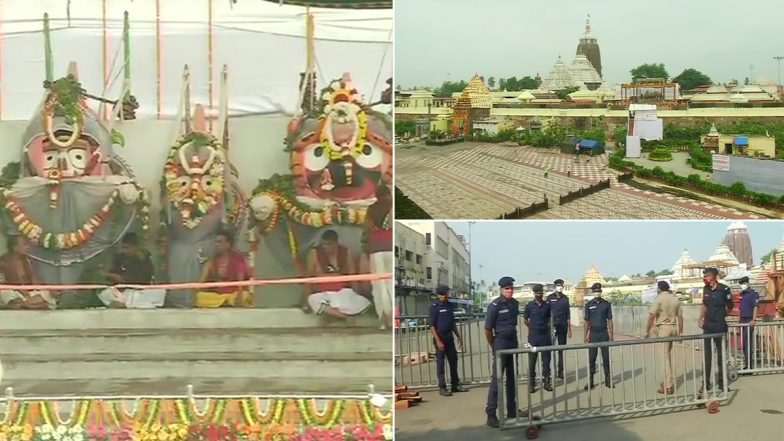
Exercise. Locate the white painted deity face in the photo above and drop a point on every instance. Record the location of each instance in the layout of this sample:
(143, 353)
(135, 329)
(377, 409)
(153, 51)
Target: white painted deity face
(64, 159)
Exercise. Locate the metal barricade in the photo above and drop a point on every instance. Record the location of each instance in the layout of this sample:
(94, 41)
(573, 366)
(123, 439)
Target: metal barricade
(637, 383)
(757, 349)
(415, 364)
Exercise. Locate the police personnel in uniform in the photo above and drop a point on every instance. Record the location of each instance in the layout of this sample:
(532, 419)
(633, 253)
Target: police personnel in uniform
(444, 329)
(501, 333)
(749, 301)
(598, 320)
(537, 320)
(716, 304)
(562, 321)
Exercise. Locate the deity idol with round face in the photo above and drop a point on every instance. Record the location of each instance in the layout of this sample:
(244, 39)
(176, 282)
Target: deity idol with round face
(74, 197)
(344, 155)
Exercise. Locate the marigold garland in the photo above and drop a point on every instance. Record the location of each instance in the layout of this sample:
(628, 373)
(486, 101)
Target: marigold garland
(336, 152)
(311, 218)
(328, 418)
(50, 413)
(251, 410)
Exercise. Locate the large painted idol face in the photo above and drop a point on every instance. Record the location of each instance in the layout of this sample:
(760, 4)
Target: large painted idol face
(345, 154)
(194, 176)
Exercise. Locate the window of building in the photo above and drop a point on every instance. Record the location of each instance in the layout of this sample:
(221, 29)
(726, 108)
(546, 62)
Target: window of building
(409, 256)
(419, 259)
(428, 239)
(429, 273)
(397, 251)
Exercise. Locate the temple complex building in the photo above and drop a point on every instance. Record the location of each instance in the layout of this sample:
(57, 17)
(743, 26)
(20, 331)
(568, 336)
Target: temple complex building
(473, 104)
(589, 47)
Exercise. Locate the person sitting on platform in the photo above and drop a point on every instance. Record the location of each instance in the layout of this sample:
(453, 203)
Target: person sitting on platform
(334, 299)
(18, 270)
(228, 265)
(132, 266)
(379, 246)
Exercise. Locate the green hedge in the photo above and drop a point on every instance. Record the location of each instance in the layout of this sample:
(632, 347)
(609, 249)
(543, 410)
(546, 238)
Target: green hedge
(405, 208)
(661, 155)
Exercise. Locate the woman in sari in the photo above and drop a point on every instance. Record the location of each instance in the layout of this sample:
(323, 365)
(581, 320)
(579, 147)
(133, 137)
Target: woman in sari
(378, 226)
(228, 265)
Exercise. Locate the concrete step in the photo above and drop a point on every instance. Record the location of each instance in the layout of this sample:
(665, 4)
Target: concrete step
(204, 386)
(162, 319)
(228, 351)
(309, 342)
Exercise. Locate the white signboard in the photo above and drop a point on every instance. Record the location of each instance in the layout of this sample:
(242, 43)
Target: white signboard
(633, 149)
(721, 163)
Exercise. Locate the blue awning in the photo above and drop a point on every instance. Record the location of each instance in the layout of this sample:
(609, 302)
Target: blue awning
(588, 143)
(742, 140)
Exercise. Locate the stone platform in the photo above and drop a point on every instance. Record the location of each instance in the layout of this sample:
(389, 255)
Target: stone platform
(158, 352)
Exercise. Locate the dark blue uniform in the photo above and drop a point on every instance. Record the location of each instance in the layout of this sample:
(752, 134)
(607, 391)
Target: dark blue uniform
(749, 299)
(597, 312)
(717, 303)
(561, 313)
(442, 318)
(538, 315)
(501, 318)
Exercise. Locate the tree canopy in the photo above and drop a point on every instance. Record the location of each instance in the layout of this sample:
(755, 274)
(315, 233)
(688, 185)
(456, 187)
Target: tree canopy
(449, 87)
(691, 78)
(647, 71)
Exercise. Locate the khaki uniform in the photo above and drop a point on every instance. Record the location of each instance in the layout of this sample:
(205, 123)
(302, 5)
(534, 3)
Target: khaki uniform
(666, 309)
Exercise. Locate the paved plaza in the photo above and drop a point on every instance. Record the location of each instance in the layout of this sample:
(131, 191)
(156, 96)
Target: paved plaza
(483, 181)
(754, 410)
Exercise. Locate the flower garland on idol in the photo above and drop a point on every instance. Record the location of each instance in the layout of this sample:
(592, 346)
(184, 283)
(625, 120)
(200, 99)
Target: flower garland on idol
(179, 180)
(47, 239)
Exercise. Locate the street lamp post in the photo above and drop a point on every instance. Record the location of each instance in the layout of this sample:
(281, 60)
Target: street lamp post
(778, 58)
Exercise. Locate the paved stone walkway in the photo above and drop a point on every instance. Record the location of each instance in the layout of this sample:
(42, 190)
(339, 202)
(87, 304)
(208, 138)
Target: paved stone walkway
(486, 180)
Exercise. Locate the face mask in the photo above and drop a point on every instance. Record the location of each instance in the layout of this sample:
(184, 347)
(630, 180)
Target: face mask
(744, 287)
(507, 294)
(538, 295)
(597, 293)
(559, 289)
(706, 281)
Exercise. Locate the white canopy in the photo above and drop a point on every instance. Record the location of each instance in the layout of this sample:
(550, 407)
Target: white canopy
(262, 43)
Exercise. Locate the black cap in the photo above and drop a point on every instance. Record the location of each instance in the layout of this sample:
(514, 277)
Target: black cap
(663, 285)
(506, 281)
(596, 287)
(744, 279)
(538, 288)
(558, 282)
(442, 290)
(714, 271)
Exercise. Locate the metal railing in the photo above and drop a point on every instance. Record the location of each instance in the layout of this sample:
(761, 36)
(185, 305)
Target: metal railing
(639, 370)
(757, 349)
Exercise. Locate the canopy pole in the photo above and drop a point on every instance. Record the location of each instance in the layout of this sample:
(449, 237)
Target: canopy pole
(311, 54)
(48, 49)
(158, 95)
(104, 109)
(127, 48)
(210, 61)
(2, 89)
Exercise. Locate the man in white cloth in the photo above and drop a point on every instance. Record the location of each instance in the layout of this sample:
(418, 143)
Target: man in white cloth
(132, 266)
(334, 299)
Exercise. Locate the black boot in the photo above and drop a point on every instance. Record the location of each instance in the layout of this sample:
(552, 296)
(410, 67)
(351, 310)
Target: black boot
(492, 421)
(444, 392)
(547, 384)
(608, 382)
(532, 386)
(590, 385)
(457, 388)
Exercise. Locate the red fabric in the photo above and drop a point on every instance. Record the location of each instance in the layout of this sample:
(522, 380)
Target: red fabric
(380, 240)
(236, 270)
(342, 264)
